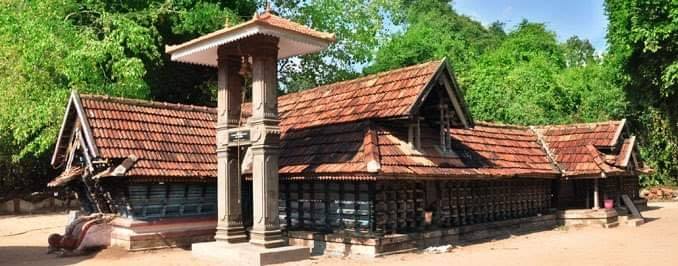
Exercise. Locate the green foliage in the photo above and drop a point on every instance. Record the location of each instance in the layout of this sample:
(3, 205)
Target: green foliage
(642, 37)
(578, 52)
(357, 25)
(48, 48)
(434, 31)
(523, 77)
(526, 81)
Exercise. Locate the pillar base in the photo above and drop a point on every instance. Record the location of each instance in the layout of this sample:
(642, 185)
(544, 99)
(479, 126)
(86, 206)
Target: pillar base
(267, 239)
(231, 234)
(606, 218)
(247, 254)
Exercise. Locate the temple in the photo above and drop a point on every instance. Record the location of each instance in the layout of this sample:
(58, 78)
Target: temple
(384, 163)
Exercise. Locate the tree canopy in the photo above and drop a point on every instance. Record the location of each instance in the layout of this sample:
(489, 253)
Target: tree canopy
(48, 48)
(643, 47)
(519, 75)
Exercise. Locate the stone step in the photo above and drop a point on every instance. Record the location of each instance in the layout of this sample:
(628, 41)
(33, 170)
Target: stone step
(635, 222)
(610, 225)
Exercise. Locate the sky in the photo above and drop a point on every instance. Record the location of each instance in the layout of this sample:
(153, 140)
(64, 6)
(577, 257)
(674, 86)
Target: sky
(584, 18)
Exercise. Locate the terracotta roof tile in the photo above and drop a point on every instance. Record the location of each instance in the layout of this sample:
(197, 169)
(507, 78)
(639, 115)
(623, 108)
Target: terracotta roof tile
(383, 95)
(266, 18)
(335, 130)
(577, 147)
(169, 139)
(487, 150)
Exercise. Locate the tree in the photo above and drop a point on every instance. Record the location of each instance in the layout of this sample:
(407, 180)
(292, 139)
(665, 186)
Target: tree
(578, 52)
(433, 30)
(528, 80)
(48, 48)
(517, 81)
(357, 25)
(643, 49)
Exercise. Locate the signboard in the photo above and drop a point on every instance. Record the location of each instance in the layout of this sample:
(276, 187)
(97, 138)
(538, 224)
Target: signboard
(238, 136)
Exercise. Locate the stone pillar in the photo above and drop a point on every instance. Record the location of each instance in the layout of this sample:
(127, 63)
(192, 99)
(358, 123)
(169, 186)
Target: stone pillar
(265, 143)
(229, 224)
(596, 200)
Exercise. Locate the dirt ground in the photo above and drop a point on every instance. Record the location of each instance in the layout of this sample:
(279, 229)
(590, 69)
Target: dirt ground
(23, 242)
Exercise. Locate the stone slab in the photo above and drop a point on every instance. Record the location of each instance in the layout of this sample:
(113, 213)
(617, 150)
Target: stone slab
(607, 218)
(635, 222)
(247, 254)
(332, 245)
(587, 214)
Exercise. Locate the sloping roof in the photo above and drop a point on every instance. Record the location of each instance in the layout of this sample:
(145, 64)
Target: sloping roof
(626, 151)
(295, 39)
(487, 150)
(345, 131)
(169, 139)
(385, 95)
(331, 149)
(67, 176)
(578, 148)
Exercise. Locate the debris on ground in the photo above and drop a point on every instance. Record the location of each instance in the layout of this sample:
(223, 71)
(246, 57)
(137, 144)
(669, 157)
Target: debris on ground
(439, 249)
(659, 193)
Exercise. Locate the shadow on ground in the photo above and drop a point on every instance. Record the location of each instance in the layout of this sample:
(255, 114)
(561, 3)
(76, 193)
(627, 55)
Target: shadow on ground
(34, 255)
(650, 219)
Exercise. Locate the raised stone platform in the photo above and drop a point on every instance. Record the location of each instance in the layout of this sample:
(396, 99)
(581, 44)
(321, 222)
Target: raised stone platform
(606, 218)
(247, 254)
(355, 246)
(135, 235)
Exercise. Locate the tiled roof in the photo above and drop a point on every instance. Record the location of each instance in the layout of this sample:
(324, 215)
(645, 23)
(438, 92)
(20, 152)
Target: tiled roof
(384, 95)
(344, 131)
(264, 19)
(487, 150)
(276, 21)
(577, 147)
(169, 139)
(329, 149)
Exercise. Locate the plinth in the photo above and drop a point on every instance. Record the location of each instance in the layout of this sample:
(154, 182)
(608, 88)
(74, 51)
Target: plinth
(248, 254)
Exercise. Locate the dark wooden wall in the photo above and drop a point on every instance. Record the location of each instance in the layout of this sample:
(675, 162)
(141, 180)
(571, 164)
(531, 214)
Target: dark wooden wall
(385, 207)
(579, 193)
(402, 206)
(145, 201)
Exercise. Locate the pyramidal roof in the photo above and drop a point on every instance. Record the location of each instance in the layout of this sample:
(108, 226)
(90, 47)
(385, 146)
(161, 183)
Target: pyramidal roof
(295, 39)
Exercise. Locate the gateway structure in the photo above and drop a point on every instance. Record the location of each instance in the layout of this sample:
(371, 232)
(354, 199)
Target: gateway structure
(384, 163)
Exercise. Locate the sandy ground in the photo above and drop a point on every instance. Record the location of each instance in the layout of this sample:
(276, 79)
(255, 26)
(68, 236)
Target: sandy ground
(23, 242)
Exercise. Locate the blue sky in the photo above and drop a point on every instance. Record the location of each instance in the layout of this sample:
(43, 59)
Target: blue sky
(584, 18)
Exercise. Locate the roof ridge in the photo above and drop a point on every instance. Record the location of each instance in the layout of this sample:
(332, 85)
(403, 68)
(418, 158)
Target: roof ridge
(579, 124)
(502, 125)
(363, 78)
(597, 158)
(149, 103)
(266, 15)
(256, 19)
(547, 149)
